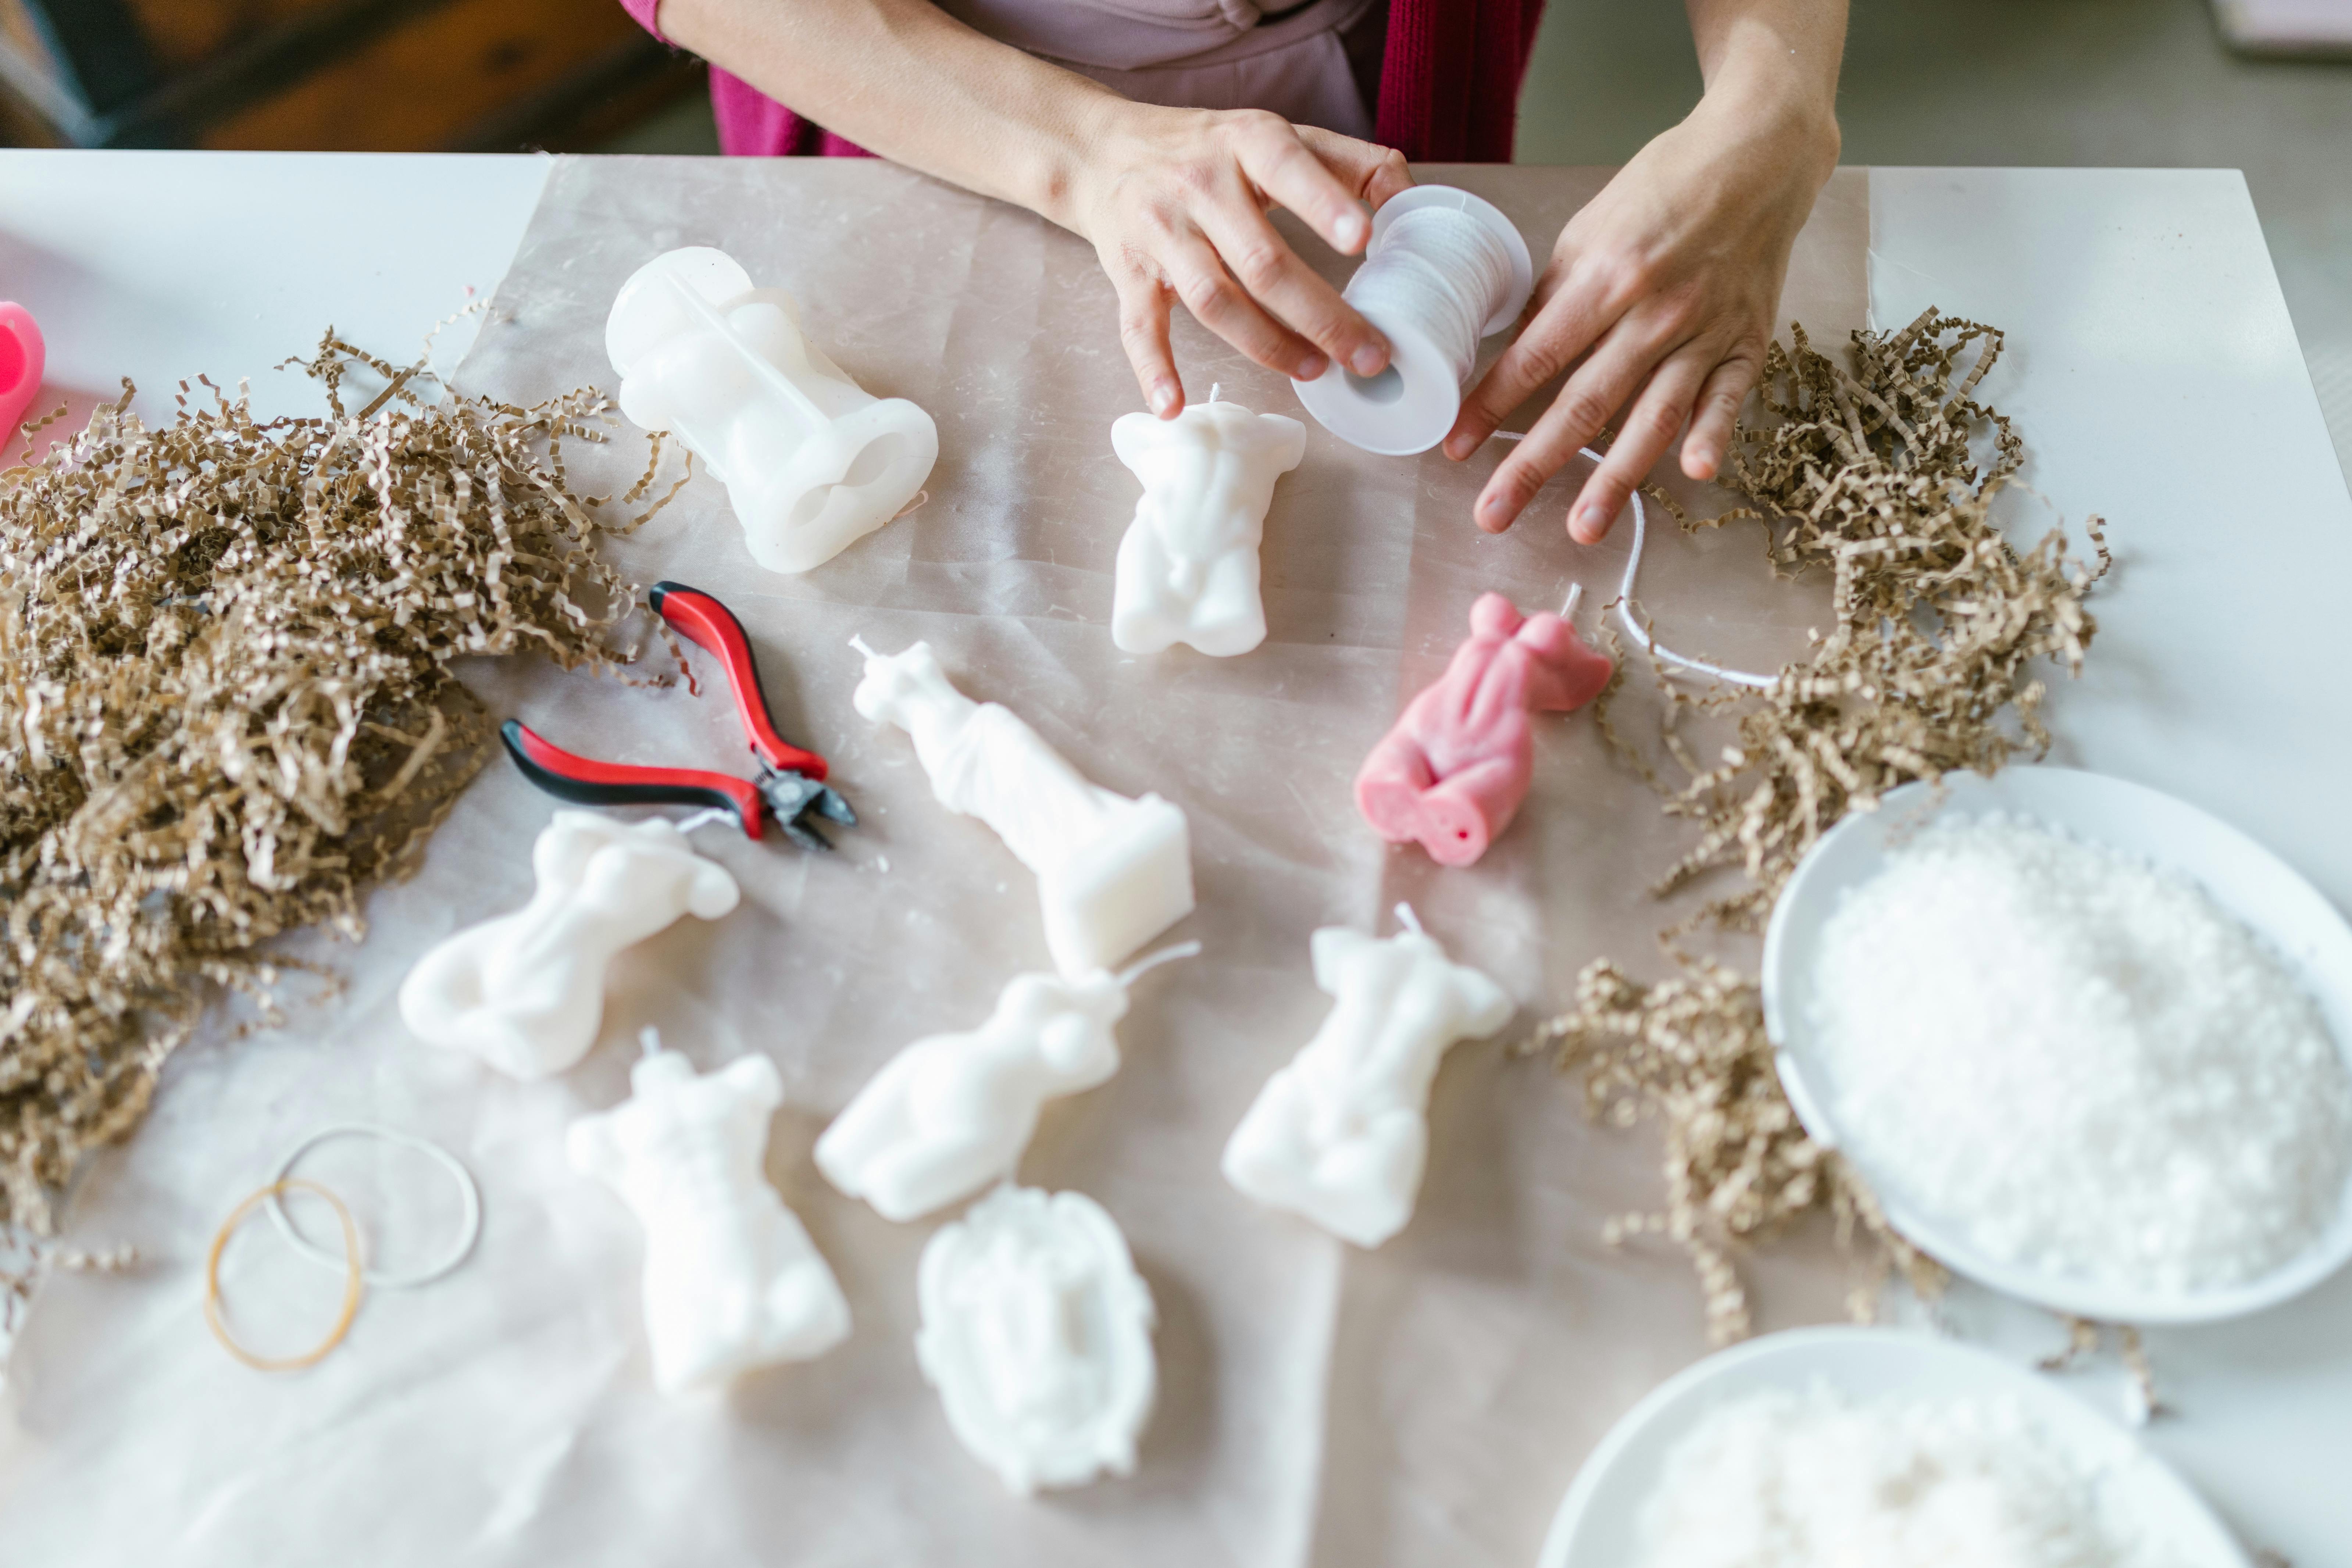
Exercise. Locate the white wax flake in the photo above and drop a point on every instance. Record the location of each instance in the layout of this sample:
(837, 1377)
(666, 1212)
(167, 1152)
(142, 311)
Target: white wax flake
(1779, 1479)
(2080, 1062)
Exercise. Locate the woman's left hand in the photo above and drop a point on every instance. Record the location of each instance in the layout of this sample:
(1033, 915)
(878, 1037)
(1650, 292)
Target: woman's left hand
(1660, 298)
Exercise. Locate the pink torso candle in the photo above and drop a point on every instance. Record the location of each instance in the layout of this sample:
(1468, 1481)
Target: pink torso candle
(1453, 770)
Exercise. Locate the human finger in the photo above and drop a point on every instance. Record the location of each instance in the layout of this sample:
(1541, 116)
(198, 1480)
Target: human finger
(1278, 163)
(1277, 279)
(1648, 428)
(1224, 307)
(1570, 321)
(1372, 172)
(1718, 409)
(1144, 334)
(1598, 388)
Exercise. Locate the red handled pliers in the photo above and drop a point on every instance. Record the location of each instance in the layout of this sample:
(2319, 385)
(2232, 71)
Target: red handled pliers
(789, 786)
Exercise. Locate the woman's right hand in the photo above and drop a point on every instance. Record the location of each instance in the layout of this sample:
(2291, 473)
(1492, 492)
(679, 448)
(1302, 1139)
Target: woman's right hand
(1175, 201)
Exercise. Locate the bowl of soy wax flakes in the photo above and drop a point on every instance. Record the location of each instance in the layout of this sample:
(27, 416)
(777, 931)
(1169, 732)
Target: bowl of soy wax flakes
(2087, 1042)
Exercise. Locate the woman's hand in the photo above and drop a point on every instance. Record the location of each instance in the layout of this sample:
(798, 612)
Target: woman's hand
(1175, 202)
(1659, 299)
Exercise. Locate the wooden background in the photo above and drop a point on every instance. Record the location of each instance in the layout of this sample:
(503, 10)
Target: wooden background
(328, 75)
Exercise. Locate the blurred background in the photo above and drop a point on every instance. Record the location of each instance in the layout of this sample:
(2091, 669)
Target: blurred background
(2264, 86)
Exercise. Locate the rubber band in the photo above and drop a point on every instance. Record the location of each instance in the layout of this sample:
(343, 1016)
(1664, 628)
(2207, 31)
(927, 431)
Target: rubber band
(355, 1278)
(1626, 602)
(470, 1227)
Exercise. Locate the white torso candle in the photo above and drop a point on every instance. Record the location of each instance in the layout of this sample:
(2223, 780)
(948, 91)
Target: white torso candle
(731, 1281)
(525, 992)
(952, 1113)
(812, 462)
(1188, 569)
(1112, 873)
(1341, 1135)
(1036, 1332)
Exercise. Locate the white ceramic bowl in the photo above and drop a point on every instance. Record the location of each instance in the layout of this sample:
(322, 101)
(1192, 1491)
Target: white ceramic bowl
(1598, 1523)
(2248, 881)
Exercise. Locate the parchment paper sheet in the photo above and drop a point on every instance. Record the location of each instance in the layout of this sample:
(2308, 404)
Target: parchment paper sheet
(1423, 1404)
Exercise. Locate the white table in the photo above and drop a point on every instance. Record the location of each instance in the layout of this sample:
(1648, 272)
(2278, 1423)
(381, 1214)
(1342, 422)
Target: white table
(2151, 363)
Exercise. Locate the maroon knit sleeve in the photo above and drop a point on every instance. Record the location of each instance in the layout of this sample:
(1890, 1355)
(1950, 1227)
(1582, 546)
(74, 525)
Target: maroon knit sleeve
(1450, 78)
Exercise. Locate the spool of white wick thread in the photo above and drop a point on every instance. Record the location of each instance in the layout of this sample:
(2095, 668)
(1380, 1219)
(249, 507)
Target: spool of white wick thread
(1443, 269)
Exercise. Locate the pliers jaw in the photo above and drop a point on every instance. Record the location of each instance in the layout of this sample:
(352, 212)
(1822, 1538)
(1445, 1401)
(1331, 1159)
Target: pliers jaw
(792, 798)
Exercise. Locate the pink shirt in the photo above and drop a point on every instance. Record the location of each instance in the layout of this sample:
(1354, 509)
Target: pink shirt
(1203, 54)
(1447, 71)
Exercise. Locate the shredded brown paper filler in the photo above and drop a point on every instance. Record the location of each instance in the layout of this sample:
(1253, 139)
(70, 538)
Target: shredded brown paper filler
(1883, 475)
(227, 706)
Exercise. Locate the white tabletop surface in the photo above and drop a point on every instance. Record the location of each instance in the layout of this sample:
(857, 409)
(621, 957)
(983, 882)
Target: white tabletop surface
(2151, 366)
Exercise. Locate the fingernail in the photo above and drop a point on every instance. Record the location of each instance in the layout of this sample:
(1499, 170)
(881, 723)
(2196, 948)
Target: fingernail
(1165, 397)
(1312, 367)
(1368, 359)
(1352, 229)
(1457, 447)
(1586, 523)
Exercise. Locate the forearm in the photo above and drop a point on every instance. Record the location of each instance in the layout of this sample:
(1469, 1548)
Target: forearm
(904, 79)
(1772, 63)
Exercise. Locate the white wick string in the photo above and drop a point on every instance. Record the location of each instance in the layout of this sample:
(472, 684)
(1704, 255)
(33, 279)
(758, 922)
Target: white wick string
(705, 817)
(1440, 272)
(1143, 966)
(1626, 604)
(1575, 593)
(1215, 387)
(1411, 921)
(649, 1038)
(857, 640)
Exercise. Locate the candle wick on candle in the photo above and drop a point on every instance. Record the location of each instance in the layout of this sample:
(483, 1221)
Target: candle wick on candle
(1575, 593)
(1215, 387)
(1411, 921)
(858, 642)
(1127, 976)
(650, 1038)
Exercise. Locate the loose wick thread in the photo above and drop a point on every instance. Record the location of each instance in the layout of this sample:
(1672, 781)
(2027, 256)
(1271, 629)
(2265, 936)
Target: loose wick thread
(1409, 920)
(1626, 602)
(857, 640)
(1143, 966)
(1215, 387)
(354, 1284)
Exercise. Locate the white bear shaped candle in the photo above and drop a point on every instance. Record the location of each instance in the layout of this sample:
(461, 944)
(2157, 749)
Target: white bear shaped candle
(812, 461)
(1341, 1135)
(1112, 873)
(1037, 1334)
(1188, 569)
(525, 992)
(731, 1281)
(952, 1113)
